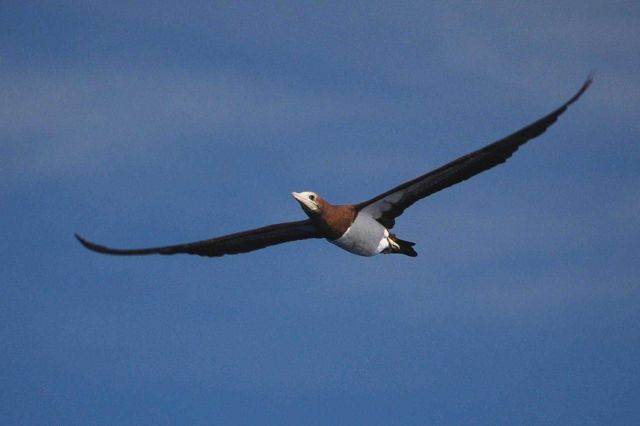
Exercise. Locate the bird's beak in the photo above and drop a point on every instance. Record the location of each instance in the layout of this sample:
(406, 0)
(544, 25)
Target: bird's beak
(298, 196)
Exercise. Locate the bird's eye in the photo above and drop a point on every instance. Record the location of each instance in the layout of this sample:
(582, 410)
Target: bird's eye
(312, 197)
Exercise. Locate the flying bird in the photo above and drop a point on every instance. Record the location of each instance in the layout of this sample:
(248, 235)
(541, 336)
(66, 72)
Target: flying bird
(363, 228)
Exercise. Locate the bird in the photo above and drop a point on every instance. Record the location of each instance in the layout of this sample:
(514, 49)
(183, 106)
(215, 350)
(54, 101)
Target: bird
(363, 228)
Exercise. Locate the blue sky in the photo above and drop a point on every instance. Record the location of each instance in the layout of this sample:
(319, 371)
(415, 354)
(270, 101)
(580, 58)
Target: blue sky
(147, 123)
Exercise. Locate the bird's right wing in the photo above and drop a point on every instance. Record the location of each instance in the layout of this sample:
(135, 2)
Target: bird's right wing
(240, 242)
(386, 207)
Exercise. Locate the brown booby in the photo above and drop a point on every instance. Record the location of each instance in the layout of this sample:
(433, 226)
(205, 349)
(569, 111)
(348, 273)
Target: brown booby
(363, 228)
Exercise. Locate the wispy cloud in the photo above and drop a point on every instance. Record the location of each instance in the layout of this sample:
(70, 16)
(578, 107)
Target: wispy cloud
(64, 121)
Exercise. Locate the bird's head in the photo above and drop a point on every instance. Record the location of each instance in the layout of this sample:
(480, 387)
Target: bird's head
(310, 201)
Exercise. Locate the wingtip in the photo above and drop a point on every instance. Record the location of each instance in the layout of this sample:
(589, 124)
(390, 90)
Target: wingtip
(81, 240)
(588, 82)
(88, 244)
(583, 89)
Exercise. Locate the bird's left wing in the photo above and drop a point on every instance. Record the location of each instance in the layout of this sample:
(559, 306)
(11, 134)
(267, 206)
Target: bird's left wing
(389, 205)
(240, 242)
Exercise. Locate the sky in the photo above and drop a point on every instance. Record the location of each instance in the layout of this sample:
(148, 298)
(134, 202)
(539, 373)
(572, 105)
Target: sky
(151, 123)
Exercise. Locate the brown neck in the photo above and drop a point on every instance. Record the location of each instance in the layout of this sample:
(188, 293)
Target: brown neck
(333, 221)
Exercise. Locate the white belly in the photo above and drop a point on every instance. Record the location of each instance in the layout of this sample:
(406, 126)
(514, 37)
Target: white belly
(365, 237)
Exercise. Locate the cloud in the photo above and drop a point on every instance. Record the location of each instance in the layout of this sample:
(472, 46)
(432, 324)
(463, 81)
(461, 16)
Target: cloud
(65, 119)
(408, 45)
(64, 122)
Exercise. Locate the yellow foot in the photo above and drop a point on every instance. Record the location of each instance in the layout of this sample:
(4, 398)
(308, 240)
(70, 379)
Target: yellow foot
(393, 245)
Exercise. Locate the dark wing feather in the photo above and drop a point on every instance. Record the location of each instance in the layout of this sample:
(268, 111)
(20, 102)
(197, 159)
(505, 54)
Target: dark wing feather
(389, 205)
(240, 242)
